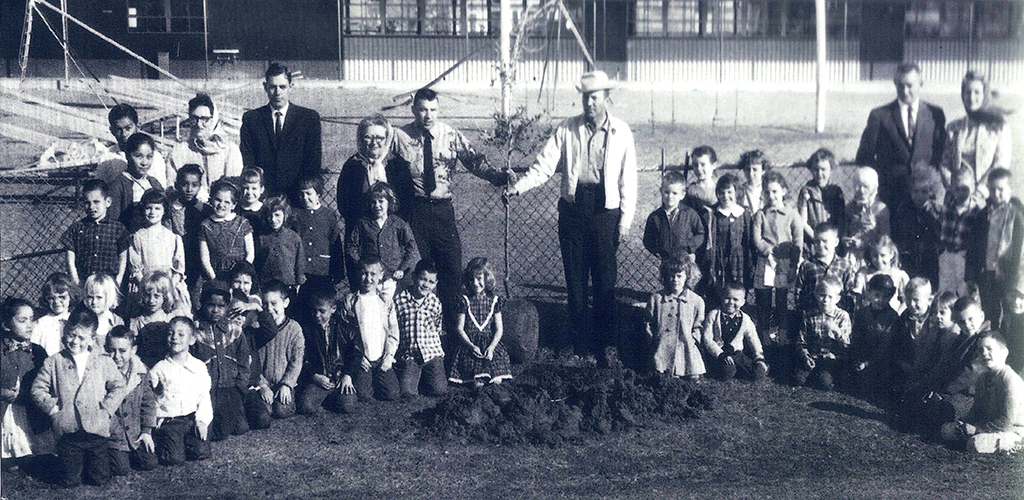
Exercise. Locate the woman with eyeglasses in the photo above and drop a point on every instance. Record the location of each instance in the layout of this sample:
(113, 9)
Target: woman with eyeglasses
(206, 145)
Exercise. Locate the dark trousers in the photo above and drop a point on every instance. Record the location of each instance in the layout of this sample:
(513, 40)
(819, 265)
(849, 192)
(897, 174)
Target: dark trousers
(259, 413)
(430, 375)
(992, 291)
(312, 398)
(376, 383)
(122, 461)
(228, 413)
(827, 373)
(437, 238)
(589, 239)
(177, 439)
(86, 453)
(743, 365)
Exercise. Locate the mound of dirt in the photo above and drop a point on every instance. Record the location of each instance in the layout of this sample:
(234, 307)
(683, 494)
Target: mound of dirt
(551, 404)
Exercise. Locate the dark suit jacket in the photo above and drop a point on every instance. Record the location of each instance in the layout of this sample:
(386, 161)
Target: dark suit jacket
(884, 146)
(296, 151)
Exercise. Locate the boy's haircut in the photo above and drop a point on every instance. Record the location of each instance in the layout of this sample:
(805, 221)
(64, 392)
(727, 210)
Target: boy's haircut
(242, 267)
(906, 67)
(822, 154)
(883, 284)
(154, 196)
(998, 174)
(945, 299)
(917, 283)
(963, 303)
(704, 150)
(82, 317)
(366, 262)
(733, 286)
(672, 177)
(826, 227)
(96, 185)
(774, 176)
(323, 295)
(991, 334)
(673, 266)
(754, 157)
(276, 204)
(224, 185)
(275, 69)
(201, 99)
(211, 291)
(162, 280)
(381, 189)
(121, 332)
(314, 181)
(276, 286)
(827, 284)
(11, 306)
(425, 266)
(252, 174)
(57, 283)
(188, 169)
(424, 94)
(121, 111)
(725, 182)
(183, 320)
(110, 290)
(476, 266)
(136, 141)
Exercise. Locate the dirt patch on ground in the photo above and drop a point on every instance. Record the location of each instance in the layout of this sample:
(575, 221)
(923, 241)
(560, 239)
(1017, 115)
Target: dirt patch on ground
(550, 404)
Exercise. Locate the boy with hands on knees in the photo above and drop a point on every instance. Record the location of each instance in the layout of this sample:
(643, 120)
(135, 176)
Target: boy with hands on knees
(184, 411)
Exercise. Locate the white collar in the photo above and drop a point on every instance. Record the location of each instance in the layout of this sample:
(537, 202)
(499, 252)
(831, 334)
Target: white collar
(737, 210)
(283, 111)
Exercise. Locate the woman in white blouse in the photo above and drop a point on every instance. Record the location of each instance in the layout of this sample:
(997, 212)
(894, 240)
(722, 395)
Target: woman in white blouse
(206, 146)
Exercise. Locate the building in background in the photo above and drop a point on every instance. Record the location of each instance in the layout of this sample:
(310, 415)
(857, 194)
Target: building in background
(661, 41)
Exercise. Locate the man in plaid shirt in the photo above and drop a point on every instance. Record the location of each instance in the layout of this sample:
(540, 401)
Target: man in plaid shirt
(823, 341)
(825, 263)
(94, 243)
(419, 334)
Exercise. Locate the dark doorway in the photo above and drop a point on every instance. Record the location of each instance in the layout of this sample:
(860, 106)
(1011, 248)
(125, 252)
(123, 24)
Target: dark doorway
(607, 31)
(881, 41)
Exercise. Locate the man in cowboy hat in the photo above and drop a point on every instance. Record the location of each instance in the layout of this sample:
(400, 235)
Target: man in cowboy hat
(596, 156)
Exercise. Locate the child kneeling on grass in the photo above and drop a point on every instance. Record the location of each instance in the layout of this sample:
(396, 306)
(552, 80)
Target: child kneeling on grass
(418, 311)
(222, 345)
(280, 359)
(370, 317)
(183, 408)
(730, 337)
(996, 420)
(823, 341)
(675, 317)
(131, 429)
(80, 389)
(332, 353)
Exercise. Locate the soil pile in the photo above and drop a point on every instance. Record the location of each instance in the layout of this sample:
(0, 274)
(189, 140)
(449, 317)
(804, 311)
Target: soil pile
(552, 404)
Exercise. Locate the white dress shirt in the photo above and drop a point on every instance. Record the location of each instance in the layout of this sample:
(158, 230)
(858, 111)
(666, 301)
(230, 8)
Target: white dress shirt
(181, 389)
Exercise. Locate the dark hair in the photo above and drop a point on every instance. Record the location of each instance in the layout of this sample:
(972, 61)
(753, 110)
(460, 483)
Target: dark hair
(57, 283)
(754, 157)
(478, 265)
(945, 299)
(275, 69)
(11, 306)
(725, 182)
(905, 68)
(136, 141)
(704, 150)
(242, 267)
(154, 196)
(733, 286)
(121, 111)
(250, 174)
(998, 174)
(96, 185)
(963, 303)
(276, 204)
(224, 185)
(323, 294)
(314, 181)
(365, 262)
(211, 291)
(382, 190)
(276, 286)
(188, 169)
(425, 266)
(121, 332)
(991, 334)
(774, 176)
(374, 119)
(822, 154)
(672, 266)
(424, 94)
(201, 99)
(673, 177)
(882, 283)
(824, 227)
(82, 317)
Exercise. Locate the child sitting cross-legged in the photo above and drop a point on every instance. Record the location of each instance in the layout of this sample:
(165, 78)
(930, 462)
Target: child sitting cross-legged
(675, 317)
(730, 337)
(873, 325)
(420, 355)
(280, 358)
(182, 388)
(79, 388)
(332, 354)
(131, 428)
(823, 340)
(225, 350)
(996, 419)
(370, 317)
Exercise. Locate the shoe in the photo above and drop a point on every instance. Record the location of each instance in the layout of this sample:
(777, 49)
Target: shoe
(760, 370)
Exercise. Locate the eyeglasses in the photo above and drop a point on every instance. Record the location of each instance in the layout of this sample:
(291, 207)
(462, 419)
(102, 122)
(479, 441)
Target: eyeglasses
(200, 119)
(378, 139)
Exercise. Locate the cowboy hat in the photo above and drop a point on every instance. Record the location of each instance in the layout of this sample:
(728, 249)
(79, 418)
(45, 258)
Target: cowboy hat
(594, 81)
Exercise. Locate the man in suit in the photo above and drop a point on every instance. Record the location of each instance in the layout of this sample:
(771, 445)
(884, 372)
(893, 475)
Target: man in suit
(281, 138)
(904, 134)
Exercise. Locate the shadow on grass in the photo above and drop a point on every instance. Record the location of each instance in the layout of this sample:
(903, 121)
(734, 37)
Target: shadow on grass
(853, 411)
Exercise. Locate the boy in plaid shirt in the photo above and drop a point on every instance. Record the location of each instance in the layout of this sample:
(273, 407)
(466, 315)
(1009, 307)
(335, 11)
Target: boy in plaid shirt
(825, 263)
(957, 223)
(823, 341)
(95, 243)
(419, 334)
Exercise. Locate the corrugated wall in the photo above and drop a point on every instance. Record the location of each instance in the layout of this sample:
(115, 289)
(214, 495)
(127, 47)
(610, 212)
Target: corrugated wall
(948, 60)
(423, 59)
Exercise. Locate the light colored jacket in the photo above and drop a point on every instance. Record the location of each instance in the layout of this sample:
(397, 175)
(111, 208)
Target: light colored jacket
(992, 149)
(714, 343)
(563, 153)
(87, 406)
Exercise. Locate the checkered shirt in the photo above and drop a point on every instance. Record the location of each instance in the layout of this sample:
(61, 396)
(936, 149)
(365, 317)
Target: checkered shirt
(825, 332)
(955, 226)
(813, 270)
(97, 245)
(419, 327)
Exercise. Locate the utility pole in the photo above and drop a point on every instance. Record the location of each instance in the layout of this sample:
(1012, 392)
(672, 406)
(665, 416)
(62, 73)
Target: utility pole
(64, 33)
(822, 73)
(505, 47)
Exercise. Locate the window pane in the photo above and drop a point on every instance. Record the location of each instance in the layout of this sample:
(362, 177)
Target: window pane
(476, 16)
(438, 18)
(364, 17)
(649, 18)
(400, 16)
(937, 19)
(995, 20)
(683, 18)
(751, 18)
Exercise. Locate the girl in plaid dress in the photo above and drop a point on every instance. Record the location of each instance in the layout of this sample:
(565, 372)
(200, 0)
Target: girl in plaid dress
(481, 357)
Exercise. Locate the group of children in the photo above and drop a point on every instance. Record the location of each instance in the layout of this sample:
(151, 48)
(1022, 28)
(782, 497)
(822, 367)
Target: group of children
(859, 321)
(208, 342)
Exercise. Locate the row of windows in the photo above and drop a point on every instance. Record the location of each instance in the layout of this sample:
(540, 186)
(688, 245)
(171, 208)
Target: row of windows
(648, 18)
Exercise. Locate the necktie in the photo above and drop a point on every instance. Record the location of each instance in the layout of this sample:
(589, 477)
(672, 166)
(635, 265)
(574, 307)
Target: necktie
(429, 182)
(278, 122)
(911, 123)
